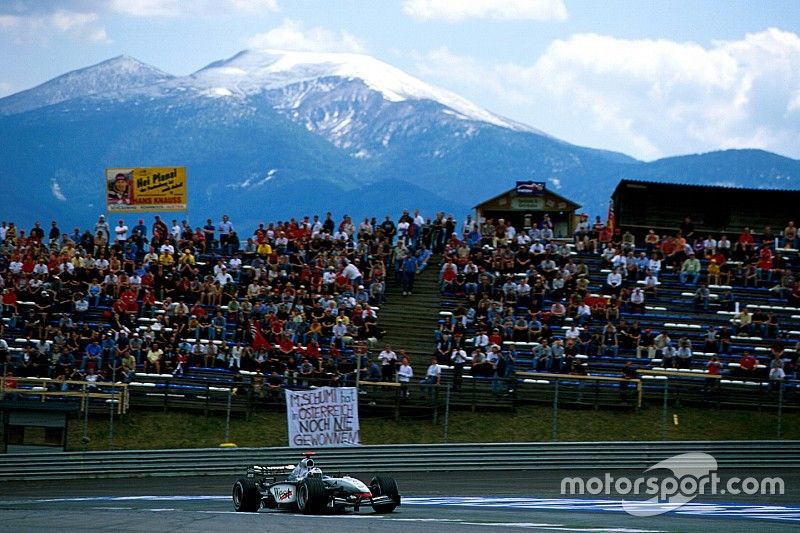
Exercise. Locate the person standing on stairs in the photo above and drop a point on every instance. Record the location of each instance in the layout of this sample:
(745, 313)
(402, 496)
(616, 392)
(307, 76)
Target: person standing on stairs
(404, 375)
(388, 361)
(409, 274)
(459, 358)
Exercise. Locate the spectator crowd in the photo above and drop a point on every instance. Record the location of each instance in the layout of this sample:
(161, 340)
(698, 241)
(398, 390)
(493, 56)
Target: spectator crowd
(287, 299)
(525, 295)
(290, 299)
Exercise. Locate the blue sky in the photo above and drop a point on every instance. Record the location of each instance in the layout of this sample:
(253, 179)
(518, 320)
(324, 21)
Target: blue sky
(650, 79)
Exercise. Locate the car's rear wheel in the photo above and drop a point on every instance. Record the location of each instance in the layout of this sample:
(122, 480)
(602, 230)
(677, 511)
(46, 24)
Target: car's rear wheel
(246, 496)
(384, 486)
(311, 496)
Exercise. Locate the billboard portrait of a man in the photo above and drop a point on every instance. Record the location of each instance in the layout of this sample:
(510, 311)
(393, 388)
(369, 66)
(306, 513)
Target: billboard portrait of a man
(118, 187)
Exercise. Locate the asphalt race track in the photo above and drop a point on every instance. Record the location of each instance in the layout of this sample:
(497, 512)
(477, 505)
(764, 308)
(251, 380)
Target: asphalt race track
(463, 501)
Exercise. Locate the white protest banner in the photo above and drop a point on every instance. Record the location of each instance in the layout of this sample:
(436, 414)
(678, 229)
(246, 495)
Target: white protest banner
(323, 418)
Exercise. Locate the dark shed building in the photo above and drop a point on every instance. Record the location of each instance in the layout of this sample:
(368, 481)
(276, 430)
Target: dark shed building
(35, 427)
(639, 205)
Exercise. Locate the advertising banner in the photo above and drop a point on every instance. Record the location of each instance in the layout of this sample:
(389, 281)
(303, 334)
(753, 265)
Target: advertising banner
(530, 188)
(323, 418)
(145, 189)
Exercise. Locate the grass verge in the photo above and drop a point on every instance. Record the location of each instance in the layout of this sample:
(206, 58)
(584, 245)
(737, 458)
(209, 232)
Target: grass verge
(154, 430)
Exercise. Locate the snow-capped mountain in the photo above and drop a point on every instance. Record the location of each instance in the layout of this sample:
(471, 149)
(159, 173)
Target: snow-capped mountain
(298, 74)
(341, 96)
(116, 74)
(294, 133)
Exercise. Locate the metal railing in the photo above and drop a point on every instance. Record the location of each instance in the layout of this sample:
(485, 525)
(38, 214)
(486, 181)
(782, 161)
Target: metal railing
(397, 458)
(45, 389)
(662, 390)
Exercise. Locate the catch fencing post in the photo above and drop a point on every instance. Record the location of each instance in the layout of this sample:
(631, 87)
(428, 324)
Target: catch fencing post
(434, 388)
(111, 404)
(85, 438)
(555, 412)
(780, 410)
(664, 410)
(446, 412)
(359, 350)
(228, 417)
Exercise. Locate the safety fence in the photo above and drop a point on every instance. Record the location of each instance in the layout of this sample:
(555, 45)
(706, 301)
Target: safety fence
(399, 458)
(166, 392)
(659, 391)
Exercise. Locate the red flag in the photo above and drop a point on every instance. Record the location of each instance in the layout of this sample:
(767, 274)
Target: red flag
(612, 221)
(258, 338)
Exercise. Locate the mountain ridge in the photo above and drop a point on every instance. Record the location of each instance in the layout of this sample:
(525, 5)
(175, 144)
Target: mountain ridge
(316, 135)
(117, 73)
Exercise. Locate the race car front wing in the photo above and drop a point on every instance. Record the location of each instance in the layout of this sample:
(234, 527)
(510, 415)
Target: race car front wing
(357, 500)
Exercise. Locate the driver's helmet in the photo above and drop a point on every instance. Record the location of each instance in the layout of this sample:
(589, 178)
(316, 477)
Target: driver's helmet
(315, 472)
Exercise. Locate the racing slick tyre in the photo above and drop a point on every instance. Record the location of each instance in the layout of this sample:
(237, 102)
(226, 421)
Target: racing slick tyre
(246, 496)
(384, 486)
(311, 496)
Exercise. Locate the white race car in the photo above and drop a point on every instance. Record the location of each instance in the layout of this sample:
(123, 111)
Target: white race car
(306, 489)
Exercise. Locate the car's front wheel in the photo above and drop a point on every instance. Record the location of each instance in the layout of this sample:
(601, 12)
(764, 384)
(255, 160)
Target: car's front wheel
(311, 496)
(385, 486)
(246, 496)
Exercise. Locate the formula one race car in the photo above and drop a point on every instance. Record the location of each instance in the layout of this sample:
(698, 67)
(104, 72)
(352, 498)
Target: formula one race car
(304, 488)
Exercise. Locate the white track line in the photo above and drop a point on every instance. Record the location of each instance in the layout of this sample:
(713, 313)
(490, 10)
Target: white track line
(698, 509)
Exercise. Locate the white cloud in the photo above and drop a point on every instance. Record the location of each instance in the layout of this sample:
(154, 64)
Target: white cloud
(6, 89)
(648, 98)
(148, 8)
(291, 35)
(35, 20)
(9, 21)
(55, 188)
(67, 20)
(458, 10)
(40, 25)
(180, 8)
(794, 104)
(84, 24)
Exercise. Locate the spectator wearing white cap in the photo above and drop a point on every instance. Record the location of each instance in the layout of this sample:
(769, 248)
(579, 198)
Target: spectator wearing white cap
(102, 227)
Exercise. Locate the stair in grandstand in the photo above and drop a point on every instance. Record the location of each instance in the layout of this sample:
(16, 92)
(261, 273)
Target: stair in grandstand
(409, 320)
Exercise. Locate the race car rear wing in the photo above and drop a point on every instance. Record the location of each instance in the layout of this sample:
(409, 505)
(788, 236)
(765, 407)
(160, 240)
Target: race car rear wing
(270, 471)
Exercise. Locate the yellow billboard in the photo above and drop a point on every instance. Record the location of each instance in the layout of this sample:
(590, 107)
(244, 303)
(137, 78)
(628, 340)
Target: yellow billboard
(145, 189)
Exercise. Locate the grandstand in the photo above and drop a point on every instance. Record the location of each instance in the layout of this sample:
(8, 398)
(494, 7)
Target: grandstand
(503, 295)
(182, 318)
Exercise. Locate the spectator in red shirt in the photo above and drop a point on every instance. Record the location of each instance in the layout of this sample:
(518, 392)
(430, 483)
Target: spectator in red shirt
(11, 385)
(496, 337)
(128, 300)
(199, 238)
(182, 361)
(714, 366)
(148, 303)
(198, 310)
(10, 299)
(746, 238)
(747, 365)
(764, 265)
(27, 264)
(285, 346)
(312, 350)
